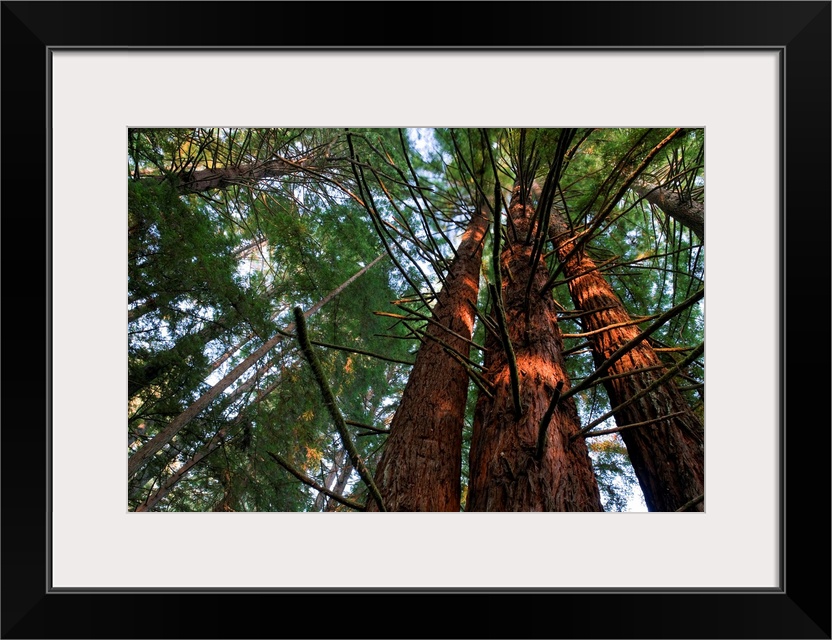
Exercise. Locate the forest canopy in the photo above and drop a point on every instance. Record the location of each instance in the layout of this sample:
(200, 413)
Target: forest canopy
(415, 319)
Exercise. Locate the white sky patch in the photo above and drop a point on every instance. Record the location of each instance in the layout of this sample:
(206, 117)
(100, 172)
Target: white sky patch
(423, 141)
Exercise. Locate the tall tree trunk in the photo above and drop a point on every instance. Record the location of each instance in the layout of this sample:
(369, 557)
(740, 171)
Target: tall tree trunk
(505, 472)
(667, 454)
(421, 465)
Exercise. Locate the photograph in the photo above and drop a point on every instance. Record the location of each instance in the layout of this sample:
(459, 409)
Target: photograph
(436, 269)
(416, 319)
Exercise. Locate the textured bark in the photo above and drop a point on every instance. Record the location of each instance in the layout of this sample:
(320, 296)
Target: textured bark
(504, 472)
(668, 454)
(688, 212)
(420, 467)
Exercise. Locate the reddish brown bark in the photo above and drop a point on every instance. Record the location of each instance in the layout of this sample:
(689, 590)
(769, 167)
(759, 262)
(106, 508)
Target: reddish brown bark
(421, 465)
(668, 454)
(504, 472)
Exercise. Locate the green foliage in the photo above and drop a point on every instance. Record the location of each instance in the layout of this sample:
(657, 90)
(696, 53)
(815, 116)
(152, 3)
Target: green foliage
(213, 274)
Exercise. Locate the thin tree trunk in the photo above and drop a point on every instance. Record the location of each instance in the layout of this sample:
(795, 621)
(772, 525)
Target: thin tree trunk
(182, 471)
(668, 453)
(202, 180)
(153, 370)
(421, 465)
(201, 454)
(505, 472)
(340, 486)
(336, 481)
(690, 213)
(155, 444)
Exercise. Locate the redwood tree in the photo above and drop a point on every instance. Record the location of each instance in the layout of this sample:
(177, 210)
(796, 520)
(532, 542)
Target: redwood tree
(223, 417)
(421, 464)
(527, 372)
(666, 447)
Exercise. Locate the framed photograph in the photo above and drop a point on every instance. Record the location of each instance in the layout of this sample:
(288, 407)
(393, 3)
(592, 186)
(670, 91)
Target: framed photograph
(752, 77)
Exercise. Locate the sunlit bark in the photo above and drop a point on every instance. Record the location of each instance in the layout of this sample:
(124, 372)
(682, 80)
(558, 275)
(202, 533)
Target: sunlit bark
(505, 474)
(420, 467)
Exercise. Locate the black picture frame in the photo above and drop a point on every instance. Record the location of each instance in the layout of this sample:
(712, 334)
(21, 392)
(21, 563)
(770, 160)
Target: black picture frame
(800, 608)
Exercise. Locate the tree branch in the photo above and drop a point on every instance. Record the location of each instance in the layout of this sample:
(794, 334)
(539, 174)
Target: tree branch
(547, 417)
(317, 487)
(667, 376)
(691, 503)
(661, 320)
(512, 360)
(329, 401)
(605, 432)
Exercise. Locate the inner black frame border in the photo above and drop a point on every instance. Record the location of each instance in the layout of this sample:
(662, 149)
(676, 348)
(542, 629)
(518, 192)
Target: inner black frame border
(800, 608)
